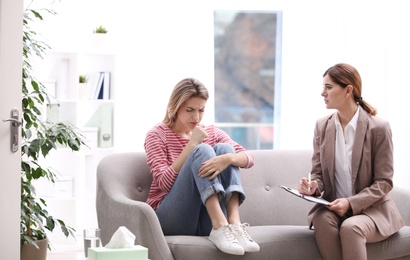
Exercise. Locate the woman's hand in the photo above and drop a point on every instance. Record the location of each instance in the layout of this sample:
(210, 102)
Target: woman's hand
(198, 134)
(340, 206)
(214, 166)
(307, 188)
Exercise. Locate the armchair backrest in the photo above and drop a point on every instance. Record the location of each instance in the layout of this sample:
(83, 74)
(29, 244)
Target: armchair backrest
(125, 174)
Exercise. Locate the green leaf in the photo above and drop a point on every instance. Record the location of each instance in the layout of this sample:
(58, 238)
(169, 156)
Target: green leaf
(37, 14)
(34, 84)
(50, 223)
(65, 230)
(46, 147)
(36, 110)
(37, 173)
(28, 133)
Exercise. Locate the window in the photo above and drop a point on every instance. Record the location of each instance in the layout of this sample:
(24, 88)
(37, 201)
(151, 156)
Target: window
(247, 76)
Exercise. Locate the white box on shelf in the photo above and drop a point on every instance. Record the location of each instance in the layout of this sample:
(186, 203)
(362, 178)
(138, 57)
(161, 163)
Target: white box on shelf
(102, 118)
(90, 135)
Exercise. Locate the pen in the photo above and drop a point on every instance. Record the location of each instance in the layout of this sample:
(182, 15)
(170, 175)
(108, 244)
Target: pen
(309, 182)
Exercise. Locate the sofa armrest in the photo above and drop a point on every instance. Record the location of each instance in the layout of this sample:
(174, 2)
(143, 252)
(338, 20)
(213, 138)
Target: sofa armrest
(123, 182)
(401, 197)
(138, 217)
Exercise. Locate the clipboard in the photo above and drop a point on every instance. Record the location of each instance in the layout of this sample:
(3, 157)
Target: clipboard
(305, 197)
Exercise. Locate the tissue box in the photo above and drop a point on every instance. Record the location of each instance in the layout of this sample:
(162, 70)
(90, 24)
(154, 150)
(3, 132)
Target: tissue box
(131, 253)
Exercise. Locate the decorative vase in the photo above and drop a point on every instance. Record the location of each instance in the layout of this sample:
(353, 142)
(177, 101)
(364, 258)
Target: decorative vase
(99, 41)
(83, 91)
(30, 252)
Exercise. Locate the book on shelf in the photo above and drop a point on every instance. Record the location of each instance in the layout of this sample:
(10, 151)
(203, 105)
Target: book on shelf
(101, 85)
(95, 83)
(107, 85)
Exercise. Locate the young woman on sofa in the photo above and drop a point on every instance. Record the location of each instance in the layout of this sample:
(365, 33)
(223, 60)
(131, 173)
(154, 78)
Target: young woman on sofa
(196, 188)
(352, 165)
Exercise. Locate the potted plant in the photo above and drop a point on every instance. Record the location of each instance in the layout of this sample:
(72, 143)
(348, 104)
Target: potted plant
(82, 79)
(100, 29)
(83, 87)
(39, 137)
(99, 38)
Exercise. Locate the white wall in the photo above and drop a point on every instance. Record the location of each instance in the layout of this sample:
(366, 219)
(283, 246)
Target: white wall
(160, 42)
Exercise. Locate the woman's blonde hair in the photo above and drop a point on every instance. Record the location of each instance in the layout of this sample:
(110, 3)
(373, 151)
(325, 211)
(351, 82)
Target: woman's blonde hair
(184, 90)
(344, 74)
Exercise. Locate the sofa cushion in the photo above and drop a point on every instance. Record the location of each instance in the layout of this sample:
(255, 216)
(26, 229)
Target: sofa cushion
(276, 242)
(397, 245)
(284, 242)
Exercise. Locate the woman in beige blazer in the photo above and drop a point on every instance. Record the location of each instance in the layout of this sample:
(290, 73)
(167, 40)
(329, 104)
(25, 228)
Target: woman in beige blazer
(352, 167)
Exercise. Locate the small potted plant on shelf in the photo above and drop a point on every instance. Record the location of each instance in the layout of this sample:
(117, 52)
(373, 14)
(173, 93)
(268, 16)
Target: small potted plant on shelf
(100, 29)
(39, 137)
(100, 37)
(83, 87)
(82, 79)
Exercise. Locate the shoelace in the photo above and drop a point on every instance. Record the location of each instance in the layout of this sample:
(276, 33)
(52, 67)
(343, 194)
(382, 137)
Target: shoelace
(243, 231)
(228, 232)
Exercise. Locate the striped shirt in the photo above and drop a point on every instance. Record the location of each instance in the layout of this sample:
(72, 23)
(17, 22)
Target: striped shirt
(163, 147)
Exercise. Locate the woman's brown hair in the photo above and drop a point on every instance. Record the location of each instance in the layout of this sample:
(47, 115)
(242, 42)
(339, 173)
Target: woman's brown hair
(344, 74)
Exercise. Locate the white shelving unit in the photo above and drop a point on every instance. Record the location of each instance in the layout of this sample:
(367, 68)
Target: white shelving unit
(72, 197)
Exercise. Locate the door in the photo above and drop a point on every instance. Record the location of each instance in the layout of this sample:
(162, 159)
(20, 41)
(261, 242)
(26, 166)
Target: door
(11, 28)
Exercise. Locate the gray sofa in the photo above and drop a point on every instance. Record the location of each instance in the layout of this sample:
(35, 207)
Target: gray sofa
(277, 218)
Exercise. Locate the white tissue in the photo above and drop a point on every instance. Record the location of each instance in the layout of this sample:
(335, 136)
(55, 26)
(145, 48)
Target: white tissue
(122, 238)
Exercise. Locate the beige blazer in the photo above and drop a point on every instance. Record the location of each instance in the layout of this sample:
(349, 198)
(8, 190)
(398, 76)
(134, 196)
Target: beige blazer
(372, 169)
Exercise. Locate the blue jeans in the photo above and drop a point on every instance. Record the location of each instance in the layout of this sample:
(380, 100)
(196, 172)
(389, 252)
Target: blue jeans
(183, 212)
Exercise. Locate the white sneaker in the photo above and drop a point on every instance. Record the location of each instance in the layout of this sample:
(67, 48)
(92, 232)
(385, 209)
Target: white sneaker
(244, 239)
(225, 240)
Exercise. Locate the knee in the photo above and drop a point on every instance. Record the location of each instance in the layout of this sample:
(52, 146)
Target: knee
(325, 218)
(223, 148)
(349, 228)
(204, 149)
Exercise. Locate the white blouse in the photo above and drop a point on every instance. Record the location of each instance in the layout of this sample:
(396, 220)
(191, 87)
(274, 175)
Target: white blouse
(343, 156)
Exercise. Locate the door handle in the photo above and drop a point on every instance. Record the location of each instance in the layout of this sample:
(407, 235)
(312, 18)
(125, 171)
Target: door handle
(15, 123)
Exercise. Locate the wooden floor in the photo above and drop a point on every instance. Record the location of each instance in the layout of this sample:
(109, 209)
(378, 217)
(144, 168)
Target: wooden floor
(74, 255)
(66, 252)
